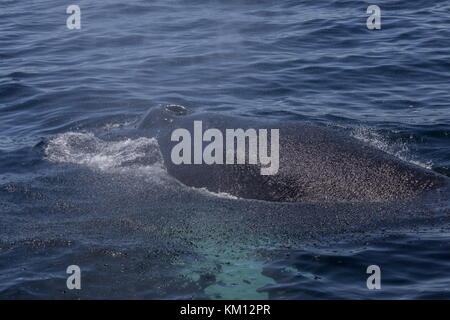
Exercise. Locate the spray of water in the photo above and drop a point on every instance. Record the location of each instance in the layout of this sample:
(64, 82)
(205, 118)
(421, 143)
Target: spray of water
(398, 149)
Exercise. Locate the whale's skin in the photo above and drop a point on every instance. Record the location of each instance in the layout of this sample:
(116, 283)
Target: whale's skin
(316, 164)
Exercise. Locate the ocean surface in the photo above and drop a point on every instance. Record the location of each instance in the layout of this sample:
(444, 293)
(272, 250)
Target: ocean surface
(68, 197)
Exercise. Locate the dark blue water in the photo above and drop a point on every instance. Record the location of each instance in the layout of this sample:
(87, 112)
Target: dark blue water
(137, 233)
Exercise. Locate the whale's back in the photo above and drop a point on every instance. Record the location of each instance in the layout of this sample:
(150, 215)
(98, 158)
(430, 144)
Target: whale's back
(316, 164)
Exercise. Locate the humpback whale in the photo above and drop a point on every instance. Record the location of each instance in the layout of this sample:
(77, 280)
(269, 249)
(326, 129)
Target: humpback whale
(316, 164)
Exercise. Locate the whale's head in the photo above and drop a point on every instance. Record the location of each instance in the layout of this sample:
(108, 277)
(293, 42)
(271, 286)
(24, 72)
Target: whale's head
(161, 116)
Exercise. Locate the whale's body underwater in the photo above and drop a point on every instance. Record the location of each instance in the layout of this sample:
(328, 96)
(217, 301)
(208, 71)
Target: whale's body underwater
(316, 164)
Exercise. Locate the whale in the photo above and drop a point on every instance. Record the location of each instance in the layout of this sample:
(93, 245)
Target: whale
(316, 163)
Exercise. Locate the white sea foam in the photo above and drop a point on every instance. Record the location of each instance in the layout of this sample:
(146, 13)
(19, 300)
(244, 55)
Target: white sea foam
(223, 195)
(89, 150)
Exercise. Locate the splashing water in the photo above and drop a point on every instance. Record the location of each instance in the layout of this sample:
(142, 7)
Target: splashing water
(86, 149)
(398, 149)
